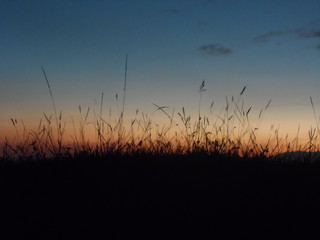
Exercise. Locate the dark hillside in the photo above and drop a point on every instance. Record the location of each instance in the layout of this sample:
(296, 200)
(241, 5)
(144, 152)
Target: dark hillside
(165, 197)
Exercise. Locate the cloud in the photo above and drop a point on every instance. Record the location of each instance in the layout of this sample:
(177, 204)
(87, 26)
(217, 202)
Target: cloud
(298, 33)
(170, 11)
(215, 50)
(311, 34)
(268, 36)
(307, 33)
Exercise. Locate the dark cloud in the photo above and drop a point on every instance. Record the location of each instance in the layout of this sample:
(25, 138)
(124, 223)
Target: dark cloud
(300, 33)
(311, 34)
(170, 11)
(214, 49)
(268, 36)
(306, 33)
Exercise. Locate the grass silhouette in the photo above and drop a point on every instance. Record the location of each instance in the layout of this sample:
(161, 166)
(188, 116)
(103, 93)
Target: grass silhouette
(189, 179)
(230, 132)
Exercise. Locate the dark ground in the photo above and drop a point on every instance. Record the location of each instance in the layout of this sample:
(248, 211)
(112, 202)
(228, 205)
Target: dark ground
(196, 197)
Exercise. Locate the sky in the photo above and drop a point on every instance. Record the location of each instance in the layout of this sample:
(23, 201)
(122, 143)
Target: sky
(272, 47)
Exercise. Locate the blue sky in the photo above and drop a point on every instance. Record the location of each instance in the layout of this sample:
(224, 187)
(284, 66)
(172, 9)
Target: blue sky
(272, 46)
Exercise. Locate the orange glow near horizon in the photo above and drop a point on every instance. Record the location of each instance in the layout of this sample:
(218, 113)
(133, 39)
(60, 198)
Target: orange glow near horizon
(157, 127)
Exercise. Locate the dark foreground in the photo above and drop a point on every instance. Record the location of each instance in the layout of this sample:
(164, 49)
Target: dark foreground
(197, 197)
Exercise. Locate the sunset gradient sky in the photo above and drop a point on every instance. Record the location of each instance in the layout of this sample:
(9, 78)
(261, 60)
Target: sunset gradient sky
(272, 47)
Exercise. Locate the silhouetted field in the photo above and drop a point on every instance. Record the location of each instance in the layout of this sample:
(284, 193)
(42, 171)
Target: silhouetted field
(173, 196)
(203, 180)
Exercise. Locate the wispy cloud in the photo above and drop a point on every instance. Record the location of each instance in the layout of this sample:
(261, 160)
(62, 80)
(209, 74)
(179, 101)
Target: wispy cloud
(311, 34)
(268, 36)
(215, 50)
(298, 33)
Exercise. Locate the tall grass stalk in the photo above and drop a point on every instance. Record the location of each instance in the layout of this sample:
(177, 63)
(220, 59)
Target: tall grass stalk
(124, 87)
(121, 118)
(201, 90)
(58, 124)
